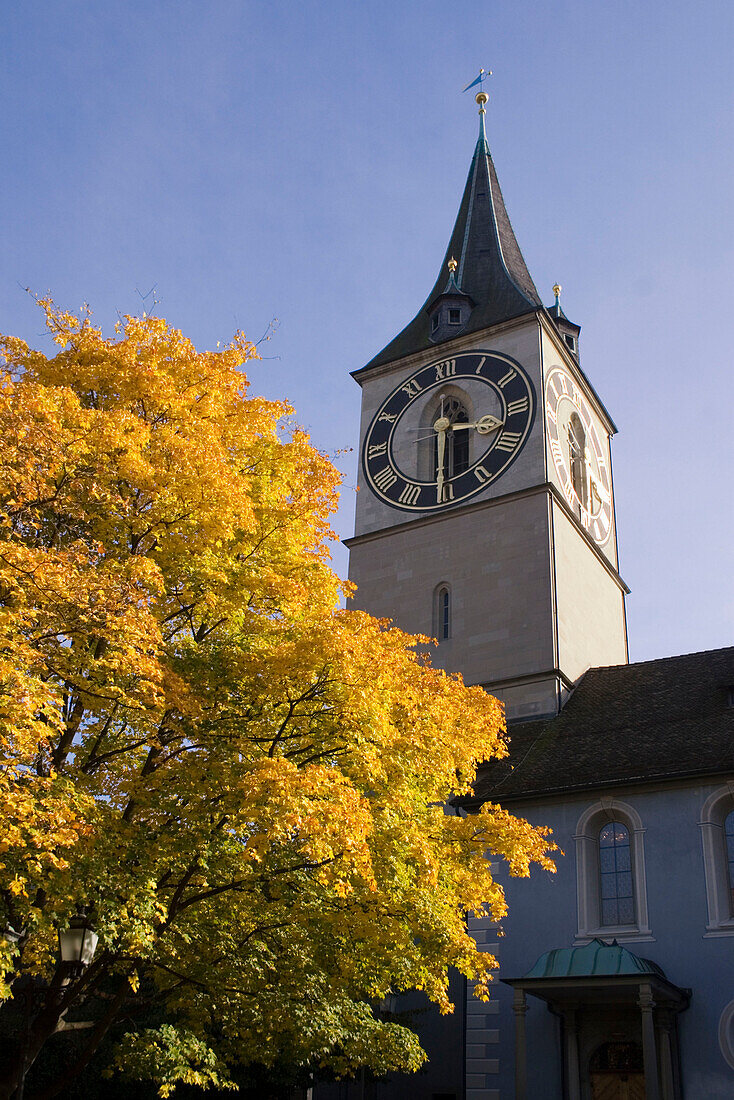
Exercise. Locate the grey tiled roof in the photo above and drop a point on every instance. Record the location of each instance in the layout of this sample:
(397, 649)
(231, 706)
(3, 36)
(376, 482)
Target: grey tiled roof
(662, 719)
(491, 269)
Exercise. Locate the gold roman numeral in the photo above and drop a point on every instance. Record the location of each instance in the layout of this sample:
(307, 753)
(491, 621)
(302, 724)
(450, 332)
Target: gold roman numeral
(385, 478)
(520, 406)
(390, 418)
(409, 494)
(412, 388)
(445, 370)
(376, 449)
(509, 441)
(512, 373)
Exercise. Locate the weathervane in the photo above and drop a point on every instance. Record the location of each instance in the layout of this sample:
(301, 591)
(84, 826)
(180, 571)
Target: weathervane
(483, 74)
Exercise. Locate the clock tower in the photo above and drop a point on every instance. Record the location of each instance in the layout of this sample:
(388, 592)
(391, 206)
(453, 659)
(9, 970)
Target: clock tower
(486, 512)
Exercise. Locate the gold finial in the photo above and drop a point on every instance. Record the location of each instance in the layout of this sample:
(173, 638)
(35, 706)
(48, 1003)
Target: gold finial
(557, 290)
(481, 98)
(452, 265)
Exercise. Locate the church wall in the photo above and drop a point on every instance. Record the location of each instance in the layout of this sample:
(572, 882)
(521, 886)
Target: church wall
(520, 342)
(496, 562)
(543, 916)
(591, 620)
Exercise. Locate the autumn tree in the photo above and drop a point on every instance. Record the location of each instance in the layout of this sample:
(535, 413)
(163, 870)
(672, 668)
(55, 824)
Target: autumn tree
(242, 785)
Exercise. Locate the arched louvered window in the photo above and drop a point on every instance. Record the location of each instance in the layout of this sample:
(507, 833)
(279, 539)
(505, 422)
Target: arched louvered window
(442, 613)
(615, 870)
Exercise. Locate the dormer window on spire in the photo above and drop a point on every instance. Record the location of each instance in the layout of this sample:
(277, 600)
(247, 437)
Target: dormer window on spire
(450, 311)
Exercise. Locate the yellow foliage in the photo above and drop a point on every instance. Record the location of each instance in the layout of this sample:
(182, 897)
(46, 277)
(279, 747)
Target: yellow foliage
(245, 782)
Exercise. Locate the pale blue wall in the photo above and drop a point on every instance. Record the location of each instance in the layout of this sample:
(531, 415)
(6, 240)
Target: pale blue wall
(543, 916)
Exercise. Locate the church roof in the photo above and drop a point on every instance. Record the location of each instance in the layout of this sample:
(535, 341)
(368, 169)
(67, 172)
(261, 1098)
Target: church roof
(490, 266)
(655, 720)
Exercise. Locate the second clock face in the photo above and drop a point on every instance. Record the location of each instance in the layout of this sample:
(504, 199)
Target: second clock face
(448, 431)
(579, 457)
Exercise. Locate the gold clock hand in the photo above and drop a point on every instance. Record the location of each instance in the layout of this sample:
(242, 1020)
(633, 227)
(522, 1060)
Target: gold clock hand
(484, 425)
(440, 427)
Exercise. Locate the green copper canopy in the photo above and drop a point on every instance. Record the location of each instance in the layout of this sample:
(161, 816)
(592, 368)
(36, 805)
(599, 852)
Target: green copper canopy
(594, 960)
(490, 268)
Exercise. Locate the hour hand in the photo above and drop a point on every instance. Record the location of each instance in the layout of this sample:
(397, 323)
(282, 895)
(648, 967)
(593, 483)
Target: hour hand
(484, 425)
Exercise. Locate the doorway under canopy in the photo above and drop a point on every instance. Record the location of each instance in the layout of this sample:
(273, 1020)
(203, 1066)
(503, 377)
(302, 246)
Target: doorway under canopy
(618, 1016)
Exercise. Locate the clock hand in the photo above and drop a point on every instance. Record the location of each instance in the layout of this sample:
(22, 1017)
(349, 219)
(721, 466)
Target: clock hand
(440, 428)
(484, 425)
(597, 489)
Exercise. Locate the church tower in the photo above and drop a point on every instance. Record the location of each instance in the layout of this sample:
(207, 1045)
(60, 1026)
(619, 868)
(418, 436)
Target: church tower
(486, 512)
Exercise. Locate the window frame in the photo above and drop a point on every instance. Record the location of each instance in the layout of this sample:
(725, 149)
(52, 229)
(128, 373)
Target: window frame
(588, 875)
(714, 813)
(439, 615)
(618, 898)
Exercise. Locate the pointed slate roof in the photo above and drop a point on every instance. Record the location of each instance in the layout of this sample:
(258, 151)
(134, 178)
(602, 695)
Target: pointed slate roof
(491, 270)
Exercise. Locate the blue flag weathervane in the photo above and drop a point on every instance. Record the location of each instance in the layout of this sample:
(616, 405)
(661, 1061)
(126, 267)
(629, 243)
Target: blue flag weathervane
(483, 74)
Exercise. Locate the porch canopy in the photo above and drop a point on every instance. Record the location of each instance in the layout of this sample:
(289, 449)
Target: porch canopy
(600, 974)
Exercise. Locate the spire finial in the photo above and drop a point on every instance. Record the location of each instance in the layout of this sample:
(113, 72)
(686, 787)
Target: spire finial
(481, 98)
(557, 291)
(452, 265)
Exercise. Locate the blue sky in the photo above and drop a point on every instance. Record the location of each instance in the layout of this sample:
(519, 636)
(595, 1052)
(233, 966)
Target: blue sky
(305, 161)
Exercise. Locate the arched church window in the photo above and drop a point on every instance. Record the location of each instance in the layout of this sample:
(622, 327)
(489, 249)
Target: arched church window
(577, 452)
(615, 870)
(717, 838)
(611, 890)
(456, 452)
(729, 840)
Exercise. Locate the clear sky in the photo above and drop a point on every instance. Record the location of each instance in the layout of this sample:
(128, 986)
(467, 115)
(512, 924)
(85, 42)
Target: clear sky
(305, 161)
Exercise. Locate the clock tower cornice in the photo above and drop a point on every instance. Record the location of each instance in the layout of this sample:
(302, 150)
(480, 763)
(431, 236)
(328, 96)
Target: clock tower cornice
(545, 488)
(465, 342)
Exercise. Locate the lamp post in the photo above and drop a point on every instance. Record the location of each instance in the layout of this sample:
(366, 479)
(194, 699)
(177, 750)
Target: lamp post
(77, 944)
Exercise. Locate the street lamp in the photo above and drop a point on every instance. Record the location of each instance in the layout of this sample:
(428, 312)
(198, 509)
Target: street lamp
(77, 944)
(9, 934)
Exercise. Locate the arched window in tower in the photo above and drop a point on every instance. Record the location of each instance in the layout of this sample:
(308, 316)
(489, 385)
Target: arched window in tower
(615, 868)
(456, 454)
(442, 613)
(577, 453)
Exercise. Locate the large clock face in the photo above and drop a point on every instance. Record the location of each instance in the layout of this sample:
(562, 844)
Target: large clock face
(448, 431)
(579, 457)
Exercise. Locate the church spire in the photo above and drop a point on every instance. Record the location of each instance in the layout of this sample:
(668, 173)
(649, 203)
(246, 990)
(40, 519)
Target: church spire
(490, 276)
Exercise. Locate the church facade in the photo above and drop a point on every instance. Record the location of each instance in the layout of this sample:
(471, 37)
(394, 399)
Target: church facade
(486, 520)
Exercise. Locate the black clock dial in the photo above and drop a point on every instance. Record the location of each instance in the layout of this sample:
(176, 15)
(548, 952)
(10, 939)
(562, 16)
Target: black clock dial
(505, 407)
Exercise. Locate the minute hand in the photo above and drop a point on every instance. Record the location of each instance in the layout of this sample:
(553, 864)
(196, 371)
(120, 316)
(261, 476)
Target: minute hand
(484, 425)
